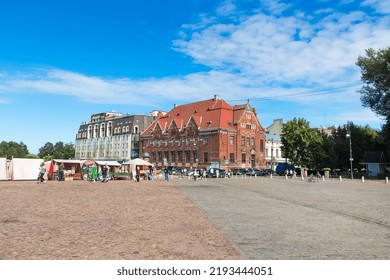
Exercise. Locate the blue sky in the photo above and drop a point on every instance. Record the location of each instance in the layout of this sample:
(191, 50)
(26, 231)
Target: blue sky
(61, 61)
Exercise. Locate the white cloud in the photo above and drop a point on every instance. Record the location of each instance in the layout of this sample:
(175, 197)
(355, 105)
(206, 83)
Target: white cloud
(288, 49)
(380, 6)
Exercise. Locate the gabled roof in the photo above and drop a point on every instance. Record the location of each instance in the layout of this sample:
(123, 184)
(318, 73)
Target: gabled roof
(211, 113)
(374, 157)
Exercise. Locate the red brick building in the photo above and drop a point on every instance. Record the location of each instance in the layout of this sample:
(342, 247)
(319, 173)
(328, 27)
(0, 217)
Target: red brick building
(204, 132)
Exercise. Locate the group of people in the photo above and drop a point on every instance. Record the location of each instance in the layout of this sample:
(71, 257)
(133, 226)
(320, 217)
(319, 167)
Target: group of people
(100, 173)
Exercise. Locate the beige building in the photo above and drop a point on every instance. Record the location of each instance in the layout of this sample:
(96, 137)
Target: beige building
(110, 135)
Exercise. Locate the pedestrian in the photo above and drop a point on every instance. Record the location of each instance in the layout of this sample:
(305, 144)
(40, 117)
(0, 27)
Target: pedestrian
(42, 172)
(100, 174)
(104, 171)
(94, 173)
(166, 174)
(138, 173)
(61, 176)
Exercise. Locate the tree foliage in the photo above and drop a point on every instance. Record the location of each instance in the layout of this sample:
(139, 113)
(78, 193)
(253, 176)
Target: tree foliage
(301, 143)
(375, 69)
(57, 151)
(12, 149)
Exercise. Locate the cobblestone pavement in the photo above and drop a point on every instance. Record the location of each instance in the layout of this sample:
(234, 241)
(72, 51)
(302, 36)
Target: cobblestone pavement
(277, 219)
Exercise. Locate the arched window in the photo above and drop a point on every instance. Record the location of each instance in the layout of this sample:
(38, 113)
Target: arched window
(96, 131)
(102, 129)
(109, 129)
(136, 129)
(89, 131)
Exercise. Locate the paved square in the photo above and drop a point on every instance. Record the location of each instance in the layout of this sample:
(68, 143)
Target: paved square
(292, 219)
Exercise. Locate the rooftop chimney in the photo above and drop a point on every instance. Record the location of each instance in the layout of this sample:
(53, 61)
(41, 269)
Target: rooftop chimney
(216, 97)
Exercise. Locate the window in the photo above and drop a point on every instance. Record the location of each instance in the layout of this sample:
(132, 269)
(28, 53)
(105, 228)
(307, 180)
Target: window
(267, 152)
(159, 153)
(166, 156)
(173, 156)
(196, 139)
(248, 141)
(109, 129)
(232, 157)
(206, 157)
(277, 153)
(231, 140)
(181, 140)
(96, 131)
(154, 157)
(188, 141)
(195, 154)
(253, 141)
(179, 156)
(102, 129)
(242, 140)
(243, 158)
(262, 146)
(136, 129)
(206, 140)
(188, 156)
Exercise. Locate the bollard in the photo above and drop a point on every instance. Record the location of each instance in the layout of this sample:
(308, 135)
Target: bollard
(255, 176)
(271, 175)
(302, 179)
(362, 179)
(323, 178)
(387, 180)
(341, 179)
(286, 177)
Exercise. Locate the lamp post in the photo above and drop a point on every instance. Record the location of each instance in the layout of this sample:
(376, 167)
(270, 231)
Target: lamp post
(348, 135)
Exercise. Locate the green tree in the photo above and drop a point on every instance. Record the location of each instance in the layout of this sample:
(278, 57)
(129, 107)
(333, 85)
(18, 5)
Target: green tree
(13, 149)
(57, 151)
(375, 69)
(363, 138)
(375, 94)
(301, 143)
(46, 151)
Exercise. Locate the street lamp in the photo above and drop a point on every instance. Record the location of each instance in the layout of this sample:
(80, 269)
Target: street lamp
(348, 135)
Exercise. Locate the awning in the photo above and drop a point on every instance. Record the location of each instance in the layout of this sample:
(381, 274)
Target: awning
(108, 162)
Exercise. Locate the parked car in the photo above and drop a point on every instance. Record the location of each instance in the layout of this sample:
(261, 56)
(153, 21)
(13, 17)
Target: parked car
(172, 170)
(255, 171)
(222, 173)
(239, 171)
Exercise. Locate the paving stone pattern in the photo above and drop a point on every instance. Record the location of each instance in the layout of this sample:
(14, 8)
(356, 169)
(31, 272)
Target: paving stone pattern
(280, 219)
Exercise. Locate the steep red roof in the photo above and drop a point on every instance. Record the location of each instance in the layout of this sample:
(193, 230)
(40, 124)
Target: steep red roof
(211, 113)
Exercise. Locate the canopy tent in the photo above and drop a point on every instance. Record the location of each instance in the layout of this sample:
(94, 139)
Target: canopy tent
(24, 168)
(137, 162)
(71, 167)
(3, 169)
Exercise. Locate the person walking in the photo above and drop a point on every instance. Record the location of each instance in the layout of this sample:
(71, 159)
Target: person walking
(138, 172)
(42, 172)
(94, 173)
